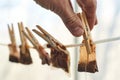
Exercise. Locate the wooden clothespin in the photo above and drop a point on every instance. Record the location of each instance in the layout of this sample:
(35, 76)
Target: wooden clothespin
(14, 54)
(87, 62)
(42, 53)
(25, 57)
(59, 54)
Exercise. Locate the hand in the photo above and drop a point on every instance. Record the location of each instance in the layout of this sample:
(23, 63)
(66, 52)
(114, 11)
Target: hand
(64, 9)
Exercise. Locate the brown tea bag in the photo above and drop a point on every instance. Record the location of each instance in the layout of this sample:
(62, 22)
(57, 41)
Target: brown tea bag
(60, 58)
(59, 54)
(14, 54)
(25, 57)
(42, 53)
(87, 62)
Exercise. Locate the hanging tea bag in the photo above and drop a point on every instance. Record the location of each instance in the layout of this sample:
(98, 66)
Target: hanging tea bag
(25, 57)
(14, 54)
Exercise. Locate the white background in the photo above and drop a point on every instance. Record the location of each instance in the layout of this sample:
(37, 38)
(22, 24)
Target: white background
(14, 11)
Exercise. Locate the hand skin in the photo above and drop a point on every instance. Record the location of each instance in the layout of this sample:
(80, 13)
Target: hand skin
(64, 9)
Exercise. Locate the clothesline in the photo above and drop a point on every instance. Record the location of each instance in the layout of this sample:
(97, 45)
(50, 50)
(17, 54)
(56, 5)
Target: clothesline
(77, 45)
(59, 54)
(97, 42)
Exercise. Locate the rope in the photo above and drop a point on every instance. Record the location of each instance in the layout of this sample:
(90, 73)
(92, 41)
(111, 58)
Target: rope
(77, 45)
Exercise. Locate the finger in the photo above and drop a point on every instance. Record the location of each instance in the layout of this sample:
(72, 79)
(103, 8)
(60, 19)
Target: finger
(89, 7)
(91, 21)
(72, 22)
(74, 25)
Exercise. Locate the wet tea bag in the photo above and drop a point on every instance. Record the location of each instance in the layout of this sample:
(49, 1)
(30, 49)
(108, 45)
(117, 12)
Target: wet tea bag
(87, 61)
(59, 54)
(25, 57)
(44, 56)
(14, 54)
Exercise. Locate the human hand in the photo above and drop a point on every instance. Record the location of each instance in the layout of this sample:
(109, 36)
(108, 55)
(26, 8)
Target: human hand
(64, 9)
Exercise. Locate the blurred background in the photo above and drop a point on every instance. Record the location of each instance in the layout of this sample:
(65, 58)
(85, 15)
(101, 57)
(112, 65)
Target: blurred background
(108, 57)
